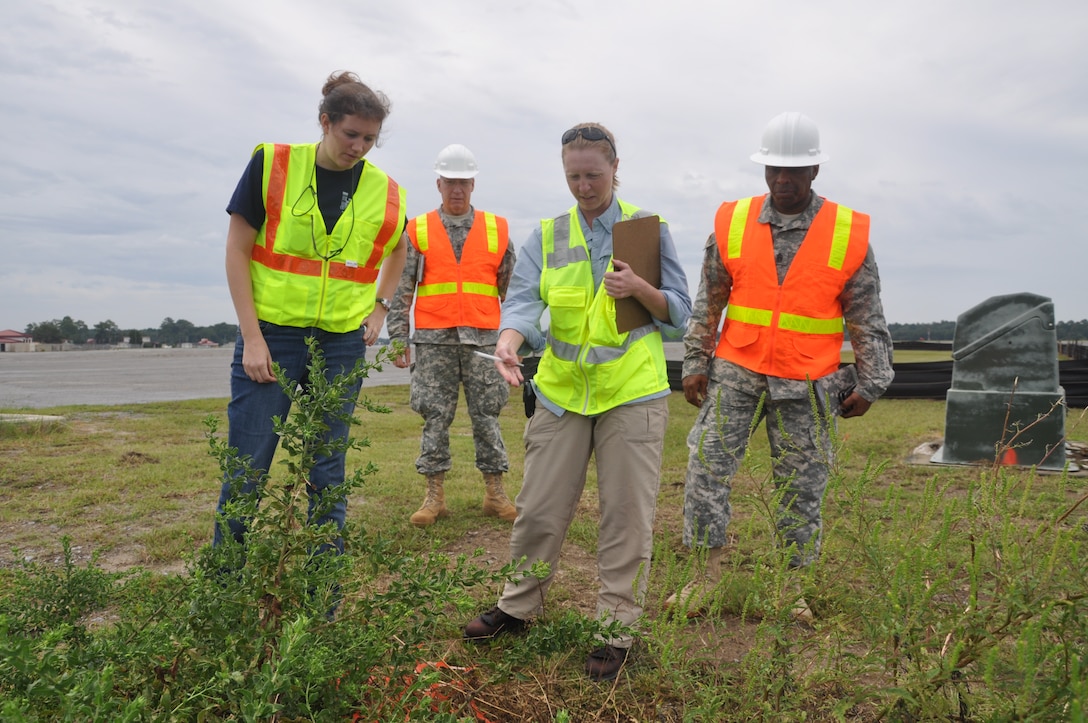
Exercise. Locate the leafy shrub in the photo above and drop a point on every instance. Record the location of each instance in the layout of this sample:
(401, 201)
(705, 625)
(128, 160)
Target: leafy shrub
(250, 632)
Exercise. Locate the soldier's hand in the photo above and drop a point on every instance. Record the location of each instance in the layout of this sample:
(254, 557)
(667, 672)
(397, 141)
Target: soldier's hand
(695, 389)
(854, 405)
(405, 359)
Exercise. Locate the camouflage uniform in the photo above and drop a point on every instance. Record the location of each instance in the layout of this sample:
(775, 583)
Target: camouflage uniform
(738, 399)
(444, 360)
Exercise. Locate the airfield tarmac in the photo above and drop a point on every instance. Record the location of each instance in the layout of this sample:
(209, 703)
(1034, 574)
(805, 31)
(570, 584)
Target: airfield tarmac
(35, 380)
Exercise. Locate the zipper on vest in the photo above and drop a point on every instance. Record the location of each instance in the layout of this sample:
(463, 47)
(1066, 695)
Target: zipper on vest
(775, 312)
(580, 365)
(324, 291)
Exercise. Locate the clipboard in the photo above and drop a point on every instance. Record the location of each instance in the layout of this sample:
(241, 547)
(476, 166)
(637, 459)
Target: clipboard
(638, 243)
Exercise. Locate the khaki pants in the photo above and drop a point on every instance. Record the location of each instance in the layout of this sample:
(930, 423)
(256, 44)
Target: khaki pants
(627, 443)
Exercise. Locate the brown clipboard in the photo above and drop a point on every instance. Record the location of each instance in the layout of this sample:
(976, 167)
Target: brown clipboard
(637, 242)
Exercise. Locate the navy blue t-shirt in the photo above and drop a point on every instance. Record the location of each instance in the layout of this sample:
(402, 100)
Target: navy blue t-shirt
(334, 189)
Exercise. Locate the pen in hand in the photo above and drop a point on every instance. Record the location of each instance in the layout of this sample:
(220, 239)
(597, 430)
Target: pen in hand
(495, 358)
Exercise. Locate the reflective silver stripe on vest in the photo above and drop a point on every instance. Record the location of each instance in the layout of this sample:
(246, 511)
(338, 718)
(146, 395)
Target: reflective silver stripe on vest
(558, 258)
(598, 354)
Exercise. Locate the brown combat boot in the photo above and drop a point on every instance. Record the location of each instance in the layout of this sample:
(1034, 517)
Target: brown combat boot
(694, 598)
(434, 504)
(496, 503)
(793, 596)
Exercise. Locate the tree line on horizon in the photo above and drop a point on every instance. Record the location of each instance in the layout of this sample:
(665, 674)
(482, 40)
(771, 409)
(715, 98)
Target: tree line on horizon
(173, 333)
(945, 330)
(169, 332)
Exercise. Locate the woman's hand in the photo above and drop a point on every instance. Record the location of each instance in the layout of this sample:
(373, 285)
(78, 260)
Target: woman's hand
(372, 325)
(622, 282)
(257, 360)
(507, 351)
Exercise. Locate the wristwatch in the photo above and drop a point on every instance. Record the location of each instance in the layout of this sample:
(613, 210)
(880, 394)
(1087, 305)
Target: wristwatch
(385, 303)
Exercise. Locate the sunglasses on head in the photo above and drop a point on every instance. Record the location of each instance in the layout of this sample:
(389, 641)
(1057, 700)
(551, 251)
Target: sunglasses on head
(590, 134)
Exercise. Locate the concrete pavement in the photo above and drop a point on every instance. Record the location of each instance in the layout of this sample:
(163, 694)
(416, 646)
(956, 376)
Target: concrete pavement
(33, 380)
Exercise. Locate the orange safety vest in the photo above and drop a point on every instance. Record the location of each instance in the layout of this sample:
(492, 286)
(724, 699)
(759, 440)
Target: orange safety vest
(292, 284)
(456, 293)
(795, 330)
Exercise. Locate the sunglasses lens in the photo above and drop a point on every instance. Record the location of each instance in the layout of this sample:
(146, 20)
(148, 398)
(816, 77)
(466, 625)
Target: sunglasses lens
(589, 133)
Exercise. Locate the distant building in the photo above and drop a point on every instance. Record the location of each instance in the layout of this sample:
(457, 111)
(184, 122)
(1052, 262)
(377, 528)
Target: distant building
(11, 340)
(10, 336)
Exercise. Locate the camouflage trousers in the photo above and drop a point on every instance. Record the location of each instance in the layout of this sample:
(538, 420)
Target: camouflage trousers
(800, 456)
(437, 375)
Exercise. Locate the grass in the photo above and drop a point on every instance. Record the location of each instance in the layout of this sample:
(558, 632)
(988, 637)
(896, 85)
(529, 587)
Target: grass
(939, 587)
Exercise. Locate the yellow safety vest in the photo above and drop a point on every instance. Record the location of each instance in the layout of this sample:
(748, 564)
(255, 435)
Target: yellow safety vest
(588, 366)
(303, 276)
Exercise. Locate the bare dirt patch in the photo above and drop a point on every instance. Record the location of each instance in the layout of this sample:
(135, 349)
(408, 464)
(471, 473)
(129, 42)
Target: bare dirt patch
(133, 459)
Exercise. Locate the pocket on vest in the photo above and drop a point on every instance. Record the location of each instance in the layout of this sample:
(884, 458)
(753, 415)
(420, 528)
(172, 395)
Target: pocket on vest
(741, 335)
(567, 296)
(810, 346)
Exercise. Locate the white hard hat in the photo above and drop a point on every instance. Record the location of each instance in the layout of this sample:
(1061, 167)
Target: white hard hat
(456, 161)
(791, 140)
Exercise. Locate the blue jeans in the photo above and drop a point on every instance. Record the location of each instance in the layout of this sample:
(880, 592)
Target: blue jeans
(253, 405)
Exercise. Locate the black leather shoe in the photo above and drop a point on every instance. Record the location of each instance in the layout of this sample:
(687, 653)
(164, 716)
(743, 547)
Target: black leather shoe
(492, 623)
(605, 663)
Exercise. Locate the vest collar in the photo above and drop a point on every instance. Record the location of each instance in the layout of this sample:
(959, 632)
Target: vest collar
(768, 214)
(607, 219)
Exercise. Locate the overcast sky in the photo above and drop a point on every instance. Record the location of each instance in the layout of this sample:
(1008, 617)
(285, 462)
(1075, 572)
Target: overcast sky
(961, 127)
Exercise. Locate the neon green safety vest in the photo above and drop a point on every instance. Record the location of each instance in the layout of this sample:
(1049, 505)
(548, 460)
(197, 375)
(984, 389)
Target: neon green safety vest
(303, 276)
(588, 366)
